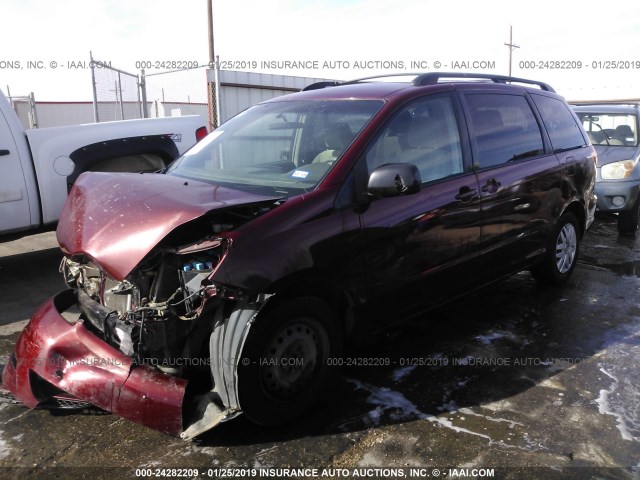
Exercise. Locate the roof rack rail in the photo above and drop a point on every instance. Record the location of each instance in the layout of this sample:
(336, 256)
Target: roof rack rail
(633, 103)
(433, 78)
(319, 85)
(386, 75)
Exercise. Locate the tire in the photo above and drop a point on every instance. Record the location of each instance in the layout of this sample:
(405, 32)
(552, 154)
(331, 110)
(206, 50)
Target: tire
(559, 261)
(628, 220)
(303, 331)
(141, 162)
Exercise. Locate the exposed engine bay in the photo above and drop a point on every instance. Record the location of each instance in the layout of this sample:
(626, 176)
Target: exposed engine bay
(149, 315)
(154, 314)
(168, 312)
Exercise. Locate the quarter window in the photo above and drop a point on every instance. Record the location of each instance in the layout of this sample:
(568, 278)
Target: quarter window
(560, 122)
(505, 129)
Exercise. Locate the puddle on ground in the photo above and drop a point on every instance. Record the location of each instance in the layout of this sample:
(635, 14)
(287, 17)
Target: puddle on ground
(625, 268)
(631, 268)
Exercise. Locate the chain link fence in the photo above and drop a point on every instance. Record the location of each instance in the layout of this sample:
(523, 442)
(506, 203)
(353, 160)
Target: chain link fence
(121, 95)
(176, 92)
(116, 93)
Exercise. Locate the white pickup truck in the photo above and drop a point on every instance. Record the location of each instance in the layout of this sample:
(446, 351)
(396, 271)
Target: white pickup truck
(38, 166)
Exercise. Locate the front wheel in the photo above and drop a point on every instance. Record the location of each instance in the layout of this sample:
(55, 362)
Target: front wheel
(561, 256)
(285, 365)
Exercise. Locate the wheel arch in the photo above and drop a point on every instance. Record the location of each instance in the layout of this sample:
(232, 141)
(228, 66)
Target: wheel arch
(578, 210)
(312, 283)
(94, 157)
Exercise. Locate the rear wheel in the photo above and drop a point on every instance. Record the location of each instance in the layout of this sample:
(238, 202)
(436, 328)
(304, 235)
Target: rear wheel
(560, 258)
(285, 364)
(628, 221)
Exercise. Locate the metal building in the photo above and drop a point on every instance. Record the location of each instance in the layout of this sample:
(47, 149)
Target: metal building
(240, 90)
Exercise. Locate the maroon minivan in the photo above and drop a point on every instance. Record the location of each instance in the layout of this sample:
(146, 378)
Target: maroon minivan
(231, 281)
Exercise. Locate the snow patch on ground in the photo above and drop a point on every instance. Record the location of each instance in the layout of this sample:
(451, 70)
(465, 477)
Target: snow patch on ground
(399, 407)
(490, 338)
(369, 460)
(5, 450)
(605, 406)
(387, 400)
(390, 404)
(402, 372)
(619, 364)
(512, 423)
(5, 447)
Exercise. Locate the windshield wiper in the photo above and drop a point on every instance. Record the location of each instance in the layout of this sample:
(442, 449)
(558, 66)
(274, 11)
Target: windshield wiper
(273, 189)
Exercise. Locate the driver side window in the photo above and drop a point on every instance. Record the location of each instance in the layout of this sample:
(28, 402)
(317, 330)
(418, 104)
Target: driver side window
(425, 134)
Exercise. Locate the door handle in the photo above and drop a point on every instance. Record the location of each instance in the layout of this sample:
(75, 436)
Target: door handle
(4, 152)
(466, 194)
(491, 186)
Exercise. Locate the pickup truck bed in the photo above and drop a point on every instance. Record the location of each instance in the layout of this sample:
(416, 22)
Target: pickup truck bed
(38, 166)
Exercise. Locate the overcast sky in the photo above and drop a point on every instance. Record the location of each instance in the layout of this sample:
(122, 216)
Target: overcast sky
(465, 35)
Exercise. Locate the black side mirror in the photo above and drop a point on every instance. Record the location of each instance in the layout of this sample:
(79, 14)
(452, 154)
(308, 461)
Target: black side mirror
(394, 179)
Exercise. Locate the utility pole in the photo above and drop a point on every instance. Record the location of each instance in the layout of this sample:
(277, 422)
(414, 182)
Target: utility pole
(212, 57)
(511, 46)
(211, 86)
(93, 86)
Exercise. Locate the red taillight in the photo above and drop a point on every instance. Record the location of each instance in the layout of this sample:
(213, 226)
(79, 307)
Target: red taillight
(201, 133)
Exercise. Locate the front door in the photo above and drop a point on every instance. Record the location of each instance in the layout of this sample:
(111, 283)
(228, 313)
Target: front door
(420, 249)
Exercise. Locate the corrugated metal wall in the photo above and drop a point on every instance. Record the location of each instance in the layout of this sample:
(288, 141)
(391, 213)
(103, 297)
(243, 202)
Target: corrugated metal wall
(240, 90)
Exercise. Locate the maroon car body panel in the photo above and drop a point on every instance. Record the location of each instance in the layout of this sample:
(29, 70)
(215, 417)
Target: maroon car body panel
(116, 219)
(72, 359)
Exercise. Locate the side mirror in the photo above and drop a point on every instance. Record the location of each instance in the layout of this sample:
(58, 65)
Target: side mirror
(394, 179)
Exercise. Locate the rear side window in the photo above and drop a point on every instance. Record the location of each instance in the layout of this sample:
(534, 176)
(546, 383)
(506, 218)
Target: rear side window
(561, 124)
(505, 129)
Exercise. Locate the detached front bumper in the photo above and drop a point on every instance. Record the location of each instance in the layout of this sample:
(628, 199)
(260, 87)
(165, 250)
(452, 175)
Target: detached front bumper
(54, 355)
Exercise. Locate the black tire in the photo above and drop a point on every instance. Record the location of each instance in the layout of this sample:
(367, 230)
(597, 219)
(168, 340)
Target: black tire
(628, 220)
(560, 259)
(303, 334)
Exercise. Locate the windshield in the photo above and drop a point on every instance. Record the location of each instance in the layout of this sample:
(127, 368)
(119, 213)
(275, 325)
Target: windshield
(277, 147)
(615, 130)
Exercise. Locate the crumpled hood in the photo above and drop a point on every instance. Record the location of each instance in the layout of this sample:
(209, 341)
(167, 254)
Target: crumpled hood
(116, 219)
(608, 154)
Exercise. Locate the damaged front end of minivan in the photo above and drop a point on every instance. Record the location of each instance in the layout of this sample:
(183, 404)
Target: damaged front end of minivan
(154, 337)
(221, 285)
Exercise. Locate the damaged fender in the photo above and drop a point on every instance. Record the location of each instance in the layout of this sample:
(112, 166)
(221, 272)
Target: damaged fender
(226, 344)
